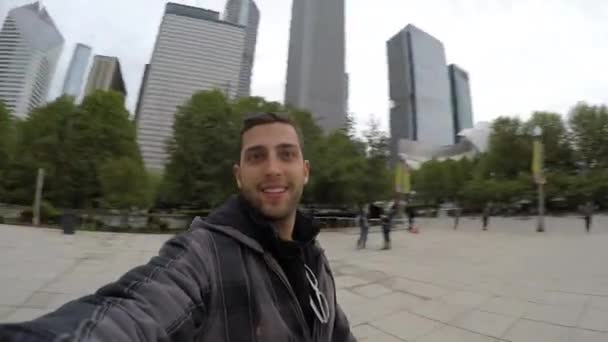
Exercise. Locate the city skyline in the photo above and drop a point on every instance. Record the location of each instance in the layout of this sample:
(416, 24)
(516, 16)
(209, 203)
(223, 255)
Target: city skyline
(245, 13)
(105, 74)
(419, 91)
(316, 77)
(74, 80)
(479, 35)
(30, 46)
(194, 51)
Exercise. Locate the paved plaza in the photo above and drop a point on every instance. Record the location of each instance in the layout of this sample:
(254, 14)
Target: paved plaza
(507, 284)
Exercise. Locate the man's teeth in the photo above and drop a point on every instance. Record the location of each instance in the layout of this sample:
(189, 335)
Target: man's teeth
(274, 190)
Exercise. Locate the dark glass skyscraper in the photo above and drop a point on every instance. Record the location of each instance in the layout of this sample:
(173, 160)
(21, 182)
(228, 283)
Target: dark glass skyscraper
(245, 13)
(316, 77)
(461, 99)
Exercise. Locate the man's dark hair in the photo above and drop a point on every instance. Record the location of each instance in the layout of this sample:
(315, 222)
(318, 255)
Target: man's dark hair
(257, 119)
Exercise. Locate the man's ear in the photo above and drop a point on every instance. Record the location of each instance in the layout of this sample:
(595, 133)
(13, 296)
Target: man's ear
(306, 171)
(236, 170)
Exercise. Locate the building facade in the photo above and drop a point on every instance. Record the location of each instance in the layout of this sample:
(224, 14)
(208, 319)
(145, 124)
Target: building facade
(316, 75)
(194, 51)
(74, 78)
(462, 105)
(421, 107)
(30, 46)
(106, 74)
(245, 13)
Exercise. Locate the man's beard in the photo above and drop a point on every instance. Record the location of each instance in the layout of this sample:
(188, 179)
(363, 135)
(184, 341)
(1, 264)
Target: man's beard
(253, 197)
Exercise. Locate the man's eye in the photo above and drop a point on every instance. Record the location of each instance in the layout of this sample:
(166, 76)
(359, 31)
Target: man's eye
(287, 155)
(256, 156)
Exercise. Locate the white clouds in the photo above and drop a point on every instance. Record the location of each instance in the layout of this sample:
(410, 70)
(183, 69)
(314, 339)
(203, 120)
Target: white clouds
(521, 55)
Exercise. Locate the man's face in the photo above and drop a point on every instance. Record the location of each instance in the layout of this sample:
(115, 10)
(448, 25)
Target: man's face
(272, 171)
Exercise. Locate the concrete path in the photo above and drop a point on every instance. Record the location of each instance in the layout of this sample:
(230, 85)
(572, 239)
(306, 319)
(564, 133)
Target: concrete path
(507, 284)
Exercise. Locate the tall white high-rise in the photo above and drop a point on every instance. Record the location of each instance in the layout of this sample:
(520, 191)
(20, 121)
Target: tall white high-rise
(316, 75)
(30, 46)
(194, 51)
(247, 14)
(74, 78)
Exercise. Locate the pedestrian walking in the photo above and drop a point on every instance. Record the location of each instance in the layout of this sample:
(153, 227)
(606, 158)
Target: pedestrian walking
(363, 225)
(487, 212)
(457, 212)
(588, 215)
(387, 225)
(411, 217)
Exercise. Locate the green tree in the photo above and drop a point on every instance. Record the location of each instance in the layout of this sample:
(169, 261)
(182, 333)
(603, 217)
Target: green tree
(555, 138)
(377, 182)
(124, 183)
(340, 171)
(72, 143)
(202, 151)
(510, 149)
(589, 126)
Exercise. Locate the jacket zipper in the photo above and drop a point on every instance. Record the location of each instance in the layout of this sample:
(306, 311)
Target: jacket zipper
(299, 313)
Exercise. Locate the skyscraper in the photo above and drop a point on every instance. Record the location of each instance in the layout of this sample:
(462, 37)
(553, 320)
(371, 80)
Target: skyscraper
(194, 51)
(106, 74)
(462, 105)
(419, 89)
(30, 46)
(247, 14)
(74, 79)
(316, 77)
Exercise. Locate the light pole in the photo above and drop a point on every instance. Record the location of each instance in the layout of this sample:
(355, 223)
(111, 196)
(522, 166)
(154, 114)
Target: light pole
(539, 178)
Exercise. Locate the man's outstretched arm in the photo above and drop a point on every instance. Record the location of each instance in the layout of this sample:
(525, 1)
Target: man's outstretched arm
(165, 300)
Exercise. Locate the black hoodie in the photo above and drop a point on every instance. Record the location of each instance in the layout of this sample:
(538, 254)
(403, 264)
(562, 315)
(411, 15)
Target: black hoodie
(291, 255)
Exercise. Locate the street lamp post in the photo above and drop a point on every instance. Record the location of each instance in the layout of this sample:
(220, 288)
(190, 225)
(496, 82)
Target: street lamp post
(539, 177)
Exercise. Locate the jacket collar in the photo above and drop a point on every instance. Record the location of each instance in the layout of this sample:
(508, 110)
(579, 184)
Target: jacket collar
(239, 220)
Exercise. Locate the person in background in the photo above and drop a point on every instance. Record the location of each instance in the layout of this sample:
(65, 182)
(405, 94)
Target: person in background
(487, 212)
(411, 217)
(363, 225)
(387, 225)
(588, 215)
(457, 213)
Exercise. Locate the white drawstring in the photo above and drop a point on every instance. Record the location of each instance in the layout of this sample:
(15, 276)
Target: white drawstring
(322, 309)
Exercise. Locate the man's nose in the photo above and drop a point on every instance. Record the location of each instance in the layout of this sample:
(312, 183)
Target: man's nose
(273, 165)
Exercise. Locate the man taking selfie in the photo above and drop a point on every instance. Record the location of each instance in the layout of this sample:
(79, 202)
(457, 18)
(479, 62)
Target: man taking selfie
(251, 271)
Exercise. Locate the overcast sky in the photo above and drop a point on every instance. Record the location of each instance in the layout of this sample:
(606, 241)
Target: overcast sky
(521, 55)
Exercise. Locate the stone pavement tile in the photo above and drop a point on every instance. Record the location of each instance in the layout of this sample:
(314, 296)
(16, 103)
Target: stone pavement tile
(372, 275)
(485, 323)
(564, 299)
(414, 287)
(579, 335)
(41, 300)
(5, 311)
(372, 290)
(561, 315)
(465, 298)
(506, 306)
(600, 303)
(439, 311)
(406, 326)
(24, 314)
(366, 332)
(452, 334)
(594, 319)
(12, 296)
(347, 296)
(399, 300)
(530, 331)
(346, 281)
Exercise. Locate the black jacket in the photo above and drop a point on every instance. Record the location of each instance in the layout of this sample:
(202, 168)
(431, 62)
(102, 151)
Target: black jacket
(220, 281)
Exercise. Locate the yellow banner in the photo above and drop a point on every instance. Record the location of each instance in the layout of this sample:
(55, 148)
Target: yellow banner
(402, 178)
(537, 158)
